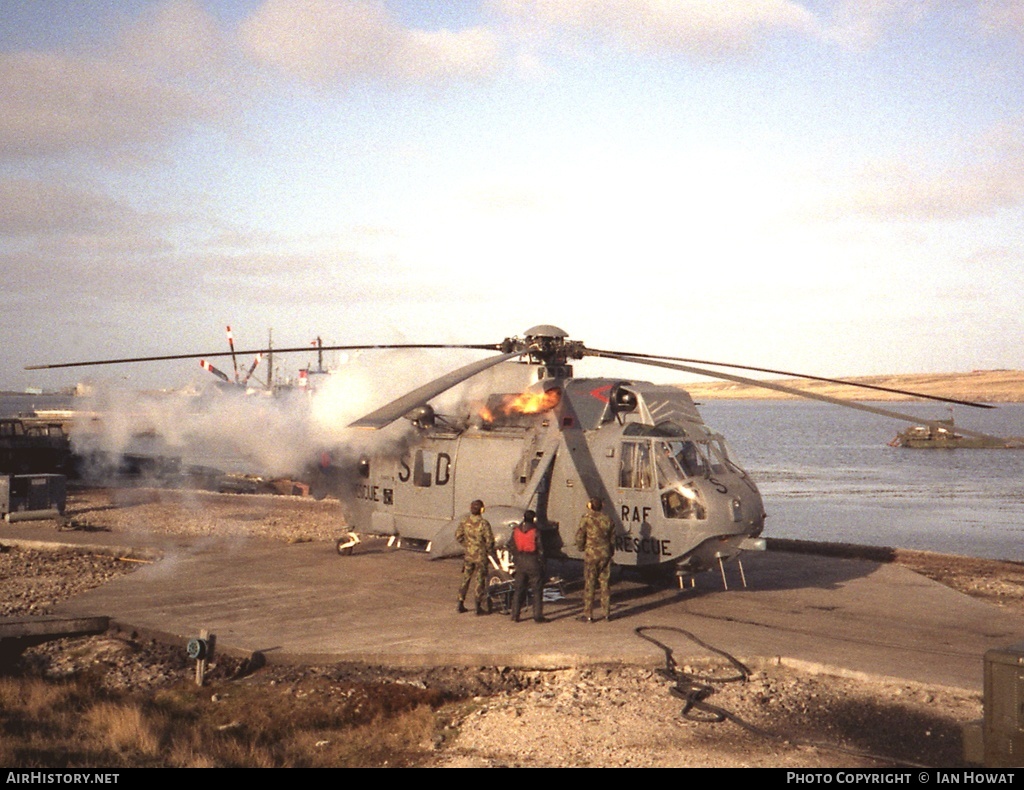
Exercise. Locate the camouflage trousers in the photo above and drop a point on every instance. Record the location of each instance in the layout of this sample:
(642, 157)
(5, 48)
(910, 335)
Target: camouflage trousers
(474, 572)
(597, 573)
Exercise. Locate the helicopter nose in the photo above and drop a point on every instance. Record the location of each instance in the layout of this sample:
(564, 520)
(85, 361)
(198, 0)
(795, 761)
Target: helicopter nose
(749, 513)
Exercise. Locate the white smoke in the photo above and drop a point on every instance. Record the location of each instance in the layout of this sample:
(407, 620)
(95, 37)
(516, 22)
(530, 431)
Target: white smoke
(278, 436)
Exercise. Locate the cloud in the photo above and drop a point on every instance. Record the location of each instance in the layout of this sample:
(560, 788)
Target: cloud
(1003, 16)
(326, 42)
(893, 190)
(31, 206)
(991, 179)
(178, 37)
(53, 103)
(160, 78)
(861, 23)
(58, 220)
(694, 27)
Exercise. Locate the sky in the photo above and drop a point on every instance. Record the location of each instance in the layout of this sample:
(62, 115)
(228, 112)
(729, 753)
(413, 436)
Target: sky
(829, 187)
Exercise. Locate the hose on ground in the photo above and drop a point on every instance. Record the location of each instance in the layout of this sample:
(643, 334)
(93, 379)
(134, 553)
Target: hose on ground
(694, 690)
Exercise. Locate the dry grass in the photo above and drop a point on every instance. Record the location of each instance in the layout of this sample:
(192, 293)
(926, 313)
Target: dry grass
(988, 386)
(73, 724)
(125, 728)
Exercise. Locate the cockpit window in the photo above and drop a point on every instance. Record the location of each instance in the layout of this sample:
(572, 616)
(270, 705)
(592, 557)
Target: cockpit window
(667, 428)
(720, 460)
(683, 502)
(678, 460)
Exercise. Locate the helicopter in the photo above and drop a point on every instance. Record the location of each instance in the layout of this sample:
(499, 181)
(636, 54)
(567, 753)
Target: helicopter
(547, 441)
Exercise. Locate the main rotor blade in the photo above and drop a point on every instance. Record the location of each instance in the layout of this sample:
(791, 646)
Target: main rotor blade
(792, 391)
(303, 349)
(877, 387)
(387, 414)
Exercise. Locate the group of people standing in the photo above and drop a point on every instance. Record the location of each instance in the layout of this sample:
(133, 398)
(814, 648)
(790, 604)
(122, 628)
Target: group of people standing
(595, 537)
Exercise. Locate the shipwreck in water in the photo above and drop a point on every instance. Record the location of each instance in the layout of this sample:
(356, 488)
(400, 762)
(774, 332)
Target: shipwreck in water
(942, 435)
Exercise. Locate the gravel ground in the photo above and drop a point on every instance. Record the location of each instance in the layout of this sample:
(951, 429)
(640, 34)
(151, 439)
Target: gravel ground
(594, 716)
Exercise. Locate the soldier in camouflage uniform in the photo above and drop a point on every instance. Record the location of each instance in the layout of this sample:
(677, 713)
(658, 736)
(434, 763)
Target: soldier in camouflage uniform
(475, 535)
(596, 539)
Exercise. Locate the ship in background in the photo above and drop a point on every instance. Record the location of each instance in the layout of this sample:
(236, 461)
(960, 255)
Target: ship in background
(307, 381)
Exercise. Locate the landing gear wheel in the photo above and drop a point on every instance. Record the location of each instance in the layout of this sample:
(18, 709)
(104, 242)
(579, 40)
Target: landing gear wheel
(346, 544)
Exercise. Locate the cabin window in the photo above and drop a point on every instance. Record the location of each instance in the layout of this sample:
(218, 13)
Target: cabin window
(635, 468)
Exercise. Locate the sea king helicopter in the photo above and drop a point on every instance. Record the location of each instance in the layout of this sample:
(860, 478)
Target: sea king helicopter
(547, 441)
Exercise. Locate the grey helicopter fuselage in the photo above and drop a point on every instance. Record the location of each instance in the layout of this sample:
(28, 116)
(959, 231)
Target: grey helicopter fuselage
(668, 484)
(551, 443)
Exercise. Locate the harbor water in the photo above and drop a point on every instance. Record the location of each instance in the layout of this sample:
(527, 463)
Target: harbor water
(13, 404)
(828, 474)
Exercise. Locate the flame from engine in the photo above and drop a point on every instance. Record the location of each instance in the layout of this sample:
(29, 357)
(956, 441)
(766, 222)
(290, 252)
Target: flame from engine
(528, 402)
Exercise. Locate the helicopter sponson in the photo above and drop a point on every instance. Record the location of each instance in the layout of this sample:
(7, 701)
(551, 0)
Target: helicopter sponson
(675, 496)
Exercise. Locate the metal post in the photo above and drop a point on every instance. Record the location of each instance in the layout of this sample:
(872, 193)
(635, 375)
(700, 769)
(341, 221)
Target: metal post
(201, 664)
(201, 649)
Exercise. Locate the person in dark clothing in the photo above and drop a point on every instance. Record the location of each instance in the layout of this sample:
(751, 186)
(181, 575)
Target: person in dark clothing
(528, 553)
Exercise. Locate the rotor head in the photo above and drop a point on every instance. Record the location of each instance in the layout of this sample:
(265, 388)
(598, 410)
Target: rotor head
(545, 345)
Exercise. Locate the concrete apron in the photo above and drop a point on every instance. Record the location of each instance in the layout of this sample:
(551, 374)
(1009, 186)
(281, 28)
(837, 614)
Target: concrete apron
(304, 603)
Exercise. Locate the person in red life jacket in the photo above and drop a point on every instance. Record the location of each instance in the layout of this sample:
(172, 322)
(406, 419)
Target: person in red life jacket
(528, 552)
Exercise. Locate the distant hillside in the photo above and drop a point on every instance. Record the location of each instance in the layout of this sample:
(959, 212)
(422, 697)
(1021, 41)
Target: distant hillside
(987, 386)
